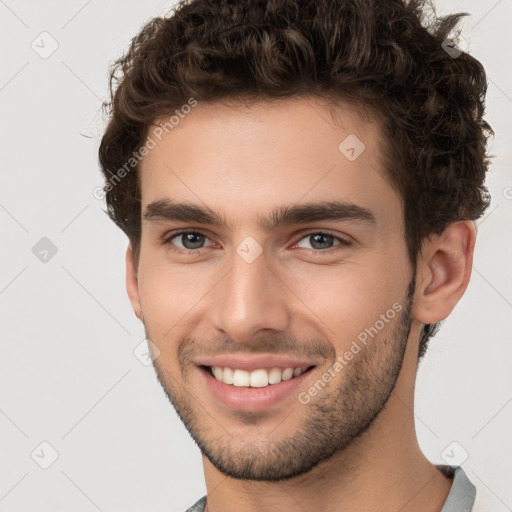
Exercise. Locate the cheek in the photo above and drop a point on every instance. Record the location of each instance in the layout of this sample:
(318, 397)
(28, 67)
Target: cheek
(345, 301)
(167, 293)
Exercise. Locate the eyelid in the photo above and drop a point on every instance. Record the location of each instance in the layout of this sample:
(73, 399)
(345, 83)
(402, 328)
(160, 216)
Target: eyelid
(344, 241)
(167, 237)
(324, 231)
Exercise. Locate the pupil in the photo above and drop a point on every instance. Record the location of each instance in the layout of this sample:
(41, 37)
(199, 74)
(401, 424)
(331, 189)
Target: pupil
(316, 240)
(192, 240)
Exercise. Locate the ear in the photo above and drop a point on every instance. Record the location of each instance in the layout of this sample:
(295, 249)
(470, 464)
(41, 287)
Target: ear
(443, 270)
(132, 284)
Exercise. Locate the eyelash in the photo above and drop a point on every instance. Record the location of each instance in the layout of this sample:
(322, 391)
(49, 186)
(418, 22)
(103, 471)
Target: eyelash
(342, 242)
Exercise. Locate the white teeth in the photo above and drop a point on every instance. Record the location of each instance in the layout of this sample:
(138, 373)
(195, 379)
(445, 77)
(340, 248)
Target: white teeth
(227, 378)
(274, 376)
(259, 379)
(256, 378)
(240, 378)
(287, 374)
(218, 372)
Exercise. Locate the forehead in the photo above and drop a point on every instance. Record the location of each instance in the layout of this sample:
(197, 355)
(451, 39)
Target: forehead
(241, 160)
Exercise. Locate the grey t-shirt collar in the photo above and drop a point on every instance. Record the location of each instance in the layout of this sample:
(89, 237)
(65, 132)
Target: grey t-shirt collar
(461, 497)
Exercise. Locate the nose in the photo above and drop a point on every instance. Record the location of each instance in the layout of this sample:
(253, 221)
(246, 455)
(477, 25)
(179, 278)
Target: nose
(250, 298)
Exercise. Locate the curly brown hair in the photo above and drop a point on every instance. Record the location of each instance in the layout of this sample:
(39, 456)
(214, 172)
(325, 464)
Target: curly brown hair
(384, 56)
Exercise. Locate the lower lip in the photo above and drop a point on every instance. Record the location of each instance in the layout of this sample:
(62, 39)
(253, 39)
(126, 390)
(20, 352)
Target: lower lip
(253, 399)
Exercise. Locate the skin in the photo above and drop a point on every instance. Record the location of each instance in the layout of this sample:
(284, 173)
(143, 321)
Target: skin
(294, 299)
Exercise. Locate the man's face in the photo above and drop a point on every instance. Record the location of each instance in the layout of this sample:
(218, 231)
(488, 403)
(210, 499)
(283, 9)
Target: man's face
(259, 295)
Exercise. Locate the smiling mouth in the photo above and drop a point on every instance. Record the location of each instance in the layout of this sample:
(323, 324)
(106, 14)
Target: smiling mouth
(259, 378)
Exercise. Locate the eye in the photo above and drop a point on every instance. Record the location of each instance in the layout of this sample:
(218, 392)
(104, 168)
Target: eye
(190, 240)
(321, 241)
(194, 241)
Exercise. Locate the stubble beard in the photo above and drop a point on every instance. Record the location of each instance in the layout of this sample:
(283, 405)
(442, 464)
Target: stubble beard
(335, 419)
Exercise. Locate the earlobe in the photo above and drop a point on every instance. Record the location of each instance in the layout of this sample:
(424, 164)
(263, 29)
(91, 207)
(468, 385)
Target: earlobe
(445, 268)
(132, 284)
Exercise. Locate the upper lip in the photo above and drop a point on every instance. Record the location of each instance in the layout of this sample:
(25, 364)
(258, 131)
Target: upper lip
(254, 362)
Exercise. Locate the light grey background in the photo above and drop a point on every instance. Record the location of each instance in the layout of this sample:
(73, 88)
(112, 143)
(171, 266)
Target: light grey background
(68, 373)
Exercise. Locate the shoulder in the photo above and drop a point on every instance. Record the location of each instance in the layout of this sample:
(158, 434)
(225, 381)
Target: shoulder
(198, 506)
(470, 493)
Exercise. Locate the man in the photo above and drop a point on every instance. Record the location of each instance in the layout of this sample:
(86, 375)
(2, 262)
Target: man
(299, 183)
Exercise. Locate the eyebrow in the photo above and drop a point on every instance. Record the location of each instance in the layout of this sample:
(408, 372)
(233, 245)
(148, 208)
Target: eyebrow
(166, 209)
